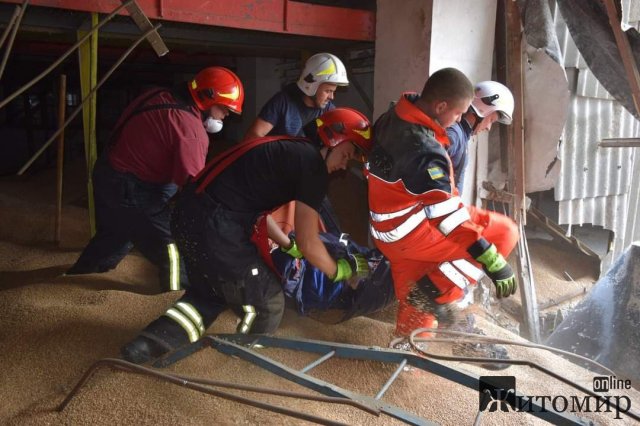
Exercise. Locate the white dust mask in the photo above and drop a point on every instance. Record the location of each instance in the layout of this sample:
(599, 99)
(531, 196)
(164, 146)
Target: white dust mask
(212, 125)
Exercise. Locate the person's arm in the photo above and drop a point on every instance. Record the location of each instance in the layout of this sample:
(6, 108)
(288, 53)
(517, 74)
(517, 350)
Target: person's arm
(276, 234)
(308, 241)
(258, 129)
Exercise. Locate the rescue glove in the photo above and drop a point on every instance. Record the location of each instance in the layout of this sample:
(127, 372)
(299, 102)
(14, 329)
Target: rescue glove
(495, 266)
(293, 251)
(354, 263)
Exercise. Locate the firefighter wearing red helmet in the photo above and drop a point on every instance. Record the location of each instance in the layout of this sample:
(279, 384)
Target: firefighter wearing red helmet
(159, 141)
(436, 245)
(214, 219)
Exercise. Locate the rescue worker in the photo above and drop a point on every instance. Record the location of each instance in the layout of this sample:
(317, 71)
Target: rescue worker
(159, 141)
(293, 110)
(417, 220)
(492, 102)
(299, 103)
(214, 220)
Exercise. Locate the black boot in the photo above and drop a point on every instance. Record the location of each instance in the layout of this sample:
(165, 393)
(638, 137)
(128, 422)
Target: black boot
(157, 339)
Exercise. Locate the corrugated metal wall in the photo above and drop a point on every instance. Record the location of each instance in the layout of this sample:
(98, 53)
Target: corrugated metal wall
(599, 186)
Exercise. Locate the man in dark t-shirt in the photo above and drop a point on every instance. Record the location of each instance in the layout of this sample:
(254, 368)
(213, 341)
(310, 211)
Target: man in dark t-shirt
(299, 103)
(293, 110)
(214, 220)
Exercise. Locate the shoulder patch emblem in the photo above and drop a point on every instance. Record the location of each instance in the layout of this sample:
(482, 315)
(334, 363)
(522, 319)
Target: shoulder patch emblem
(435, 173)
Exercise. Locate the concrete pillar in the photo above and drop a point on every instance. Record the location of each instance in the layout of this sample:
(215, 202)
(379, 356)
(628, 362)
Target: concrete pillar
(261, 81)
(403, 39)
(415, 38)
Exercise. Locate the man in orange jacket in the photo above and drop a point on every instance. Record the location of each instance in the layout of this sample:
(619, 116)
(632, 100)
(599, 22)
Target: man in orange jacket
(433, 241)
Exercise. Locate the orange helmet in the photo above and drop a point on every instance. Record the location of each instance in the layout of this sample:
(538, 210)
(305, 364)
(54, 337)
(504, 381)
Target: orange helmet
(217, 86)
(344, 125)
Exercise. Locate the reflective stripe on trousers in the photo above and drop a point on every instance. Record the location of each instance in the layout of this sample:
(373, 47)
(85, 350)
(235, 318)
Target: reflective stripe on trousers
(174, 267)
(188, 318)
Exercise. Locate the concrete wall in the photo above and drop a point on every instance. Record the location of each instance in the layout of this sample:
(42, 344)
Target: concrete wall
(416, 38)
(403, 39)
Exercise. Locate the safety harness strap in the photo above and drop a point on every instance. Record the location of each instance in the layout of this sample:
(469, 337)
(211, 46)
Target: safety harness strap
(223, 160)
(142, 108)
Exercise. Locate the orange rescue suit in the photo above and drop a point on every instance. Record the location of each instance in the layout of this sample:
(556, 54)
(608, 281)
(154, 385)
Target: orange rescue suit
(417, 219)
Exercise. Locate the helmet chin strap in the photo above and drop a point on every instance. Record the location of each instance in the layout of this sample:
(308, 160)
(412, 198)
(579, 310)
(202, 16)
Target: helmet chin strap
(325, 151)
(476, 120)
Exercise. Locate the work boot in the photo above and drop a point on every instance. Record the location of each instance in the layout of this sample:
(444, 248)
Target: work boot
(159, 338)
(143, 349)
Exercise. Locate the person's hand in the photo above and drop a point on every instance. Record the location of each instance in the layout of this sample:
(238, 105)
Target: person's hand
(293, 251)
(500, 272)
(355, 265)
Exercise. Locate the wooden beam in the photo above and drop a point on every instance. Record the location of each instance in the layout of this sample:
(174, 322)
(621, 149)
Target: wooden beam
(558, 233)
(515, 82)
(277, 16)
(628, 60)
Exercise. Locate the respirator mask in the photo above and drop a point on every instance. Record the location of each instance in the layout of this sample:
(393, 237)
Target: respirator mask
(212, 125)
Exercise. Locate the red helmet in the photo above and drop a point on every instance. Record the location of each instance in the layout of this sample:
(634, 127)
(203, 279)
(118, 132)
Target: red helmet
(217, 86)
(345, 125)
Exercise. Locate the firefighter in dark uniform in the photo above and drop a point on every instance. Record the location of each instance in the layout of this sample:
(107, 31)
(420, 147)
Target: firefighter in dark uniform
(159, 141)
(214, 220)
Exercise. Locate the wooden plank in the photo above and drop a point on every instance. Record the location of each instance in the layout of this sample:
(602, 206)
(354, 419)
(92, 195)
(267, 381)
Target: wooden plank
(515, 81)
(278, 16)
(628, 60)
(557, 232)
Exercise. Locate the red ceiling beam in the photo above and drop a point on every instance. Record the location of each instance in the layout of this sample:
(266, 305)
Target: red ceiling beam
(279, 16)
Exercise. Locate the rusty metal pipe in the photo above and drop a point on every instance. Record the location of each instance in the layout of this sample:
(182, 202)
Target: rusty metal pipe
(79, 108)
(318, 398)
(40, 76)
(62, 103)
(139, 369)
(5, 33)
(12, 37)
(557, 376)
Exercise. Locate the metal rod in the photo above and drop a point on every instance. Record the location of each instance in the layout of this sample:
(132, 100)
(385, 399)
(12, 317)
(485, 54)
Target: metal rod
(475, 338)
(62, 102)
(12, 37)
(230, 345)
(393, 377)
(619, 143)
(533, 365)
(139, 369)
(318, 361)
(319, 398)
(64, 56)
(77, 110)
(5, 33)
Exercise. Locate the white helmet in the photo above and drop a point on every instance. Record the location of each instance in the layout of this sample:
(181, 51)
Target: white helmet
(322, 68)
(492, 96)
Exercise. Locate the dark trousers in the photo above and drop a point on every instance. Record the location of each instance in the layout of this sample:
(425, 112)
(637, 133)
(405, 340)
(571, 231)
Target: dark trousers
(130, 212)
(224, 266)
